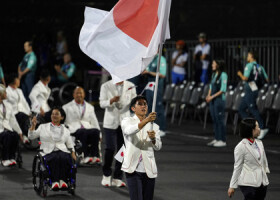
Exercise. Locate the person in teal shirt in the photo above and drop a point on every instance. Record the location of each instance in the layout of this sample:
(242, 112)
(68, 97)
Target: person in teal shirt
(151, 72)
(216, 99)
(66, 71)
(27, 69)
(2, 75)
(255, 77)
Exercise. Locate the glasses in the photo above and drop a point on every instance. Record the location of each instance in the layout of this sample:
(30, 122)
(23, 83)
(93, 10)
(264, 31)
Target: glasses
(142, 104)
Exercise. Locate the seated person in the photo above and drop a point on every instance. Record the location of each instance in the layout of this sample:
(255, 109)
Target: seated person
(10, 131)
(20, 107)
(82, 121)
(55, 144)
(39, 96)
(64, 72)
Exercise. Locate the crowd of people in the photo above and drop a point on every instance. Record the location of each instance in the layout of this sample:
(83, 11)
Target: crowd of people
(26, 115)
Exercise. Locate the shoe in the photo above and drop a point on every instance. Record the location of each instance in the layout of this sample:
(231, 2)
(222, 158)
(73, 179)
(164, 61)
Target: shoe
(106, 181)
(55, 186)
(86, 160)
(25, 139)
(62, 184)
(95, 160)
(263, 133)
(13, 162)
(118, 183)
(212, 143)
(162, 133)
(220, 143)
(6, 163)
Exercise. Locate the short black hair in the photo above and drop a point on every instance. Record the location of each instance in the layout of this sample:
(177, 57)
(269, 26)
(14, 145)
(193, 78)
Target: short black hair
(254, 54)
(137, 98)
(62, 112)
(30, 43)
(10, 78)
(45, 73)
(246, 127)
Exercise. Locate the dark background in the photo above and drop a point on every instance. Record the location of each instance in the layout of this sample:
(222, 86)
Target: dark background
(39, 20)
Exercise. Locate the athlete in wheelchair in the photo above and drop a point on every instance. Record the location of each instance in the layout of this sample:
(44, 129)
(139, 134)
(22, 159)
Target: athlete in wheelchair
(54, 166)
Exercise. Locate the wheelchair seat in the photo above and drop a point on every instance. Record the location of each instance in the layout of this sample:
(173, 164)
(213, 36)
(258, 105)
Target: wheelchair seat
(41, 176)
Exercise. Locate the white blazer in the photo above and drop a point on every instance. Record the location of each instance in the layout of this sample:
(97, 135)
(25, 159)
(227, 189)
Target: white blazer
(116, 112)
(8, 121)
(248, 169)
(137, 142)
(48, 145)
(16, 98)
(74, 120)
(39, 96)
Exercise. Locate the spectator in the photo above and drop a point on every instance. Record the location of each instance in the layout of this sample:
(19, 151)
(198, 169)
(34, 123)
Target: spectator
(61, 47)
(151, 72)
(39, 96)
(201, 58)
(21, 109)
(179, 59)
(65, 72)
(115, 99)
(81, 120)
(27, 69)
(2, 79)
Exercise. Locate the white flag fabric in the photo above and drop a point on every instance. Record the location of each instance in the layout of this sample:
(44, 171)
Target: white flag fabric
(126, 39)
(119, 155)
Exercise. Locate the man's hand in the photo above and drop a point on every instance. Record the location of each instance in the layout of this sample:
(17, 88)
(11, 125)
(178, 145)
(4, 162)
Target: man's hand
(33, 123)
(145, 72)
(20, 74)
(230, 192)
(151, 117)
(209, 98)
(152, 135)
(239, 73)
(74, 155)
(114, 99)
(21, 137)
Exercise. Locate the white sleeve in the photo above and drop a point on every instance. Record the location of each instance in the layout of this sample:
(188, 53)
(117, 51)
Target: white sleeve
(174, 54)
(69, 141)
(185, 57)
(196, 49)
(129, 128)
(103, 99)
(157, 146)
(14, 124)
(35, 133)
(33, 98)
(238, 165)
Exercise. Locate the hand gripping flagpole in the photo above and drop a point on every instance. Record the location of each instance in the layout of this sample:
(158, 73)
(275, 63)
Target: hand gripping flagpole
(162, 38)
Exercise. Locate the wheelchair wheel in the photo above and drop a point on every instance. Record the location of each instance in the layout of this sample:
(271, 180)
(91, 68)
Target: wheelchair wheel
(37, 175)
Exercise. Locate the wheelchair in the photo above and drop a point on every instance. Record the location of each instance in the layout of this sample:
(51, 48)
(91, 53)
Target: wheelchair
(41, 177)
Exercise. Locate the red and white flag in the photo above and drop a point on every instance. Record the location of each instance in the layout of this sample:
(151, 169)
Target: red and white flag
(120, 154)
(126, 39)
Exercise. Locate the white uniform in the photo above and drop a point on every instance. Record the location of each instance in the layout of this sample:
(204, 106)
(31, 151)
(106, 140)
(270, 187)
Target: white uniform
(119, 110)
(181, 59)
(250, 166)
(39, 96)
(78, 116)
(57, 139)
(16, 98)
(7, 118)
(139, 149)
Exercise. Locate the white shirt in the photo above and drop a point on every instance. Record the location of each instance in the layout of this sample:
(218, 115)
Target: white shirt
(181, 59)
(205, 50)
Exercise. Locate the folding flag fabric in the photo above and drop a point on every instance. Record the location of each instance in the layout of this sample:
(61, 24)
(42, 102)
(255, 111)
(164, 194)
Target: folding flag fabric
(125, 40)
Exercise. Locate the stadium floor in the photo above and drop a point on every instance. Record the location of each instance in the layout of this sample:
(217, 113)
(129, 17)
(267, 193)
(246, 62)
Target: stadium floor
(188, 170)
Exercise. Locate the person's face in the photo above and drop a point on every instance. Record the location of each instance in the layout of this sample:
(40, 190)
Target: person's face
(249, 57)
(27, 47)
(140, 108)
(79, 95)
(179, 47)
(214, 65)
(56, 116)
(67, 58)
(17, 82)
(256, 131)
(201, 40)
